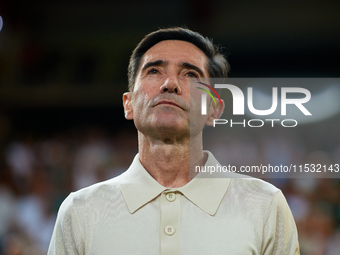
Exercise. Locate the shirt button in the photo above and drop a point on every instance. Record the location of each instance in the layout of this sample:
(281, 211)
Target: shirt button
(169, 230)
(170, 197)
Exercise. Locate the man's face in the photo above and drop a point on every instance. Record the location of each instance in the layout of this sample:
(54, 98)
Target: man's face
(160, 102)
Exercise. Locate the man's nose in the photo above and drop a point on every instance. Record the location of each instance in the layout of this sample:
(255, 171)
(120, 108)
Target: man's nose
(171, 85)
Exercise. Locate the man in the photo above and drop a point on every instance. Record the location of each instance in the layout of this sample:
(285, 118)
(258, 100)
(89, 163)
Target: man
(156, 206)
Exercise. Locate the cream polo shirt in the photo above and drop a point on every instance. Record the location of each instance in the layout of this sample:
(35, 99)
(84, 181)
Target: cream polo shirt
(134, 214)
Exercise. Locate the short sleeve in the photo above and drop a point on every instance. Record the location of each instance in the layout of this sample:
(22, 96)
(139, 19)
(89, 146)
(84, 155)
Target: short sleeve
(280, 233)
(67, 233)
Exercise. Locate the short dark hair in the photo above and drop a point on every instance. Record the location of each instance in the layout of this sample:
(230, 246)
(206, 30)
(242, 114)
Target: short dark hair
(218, 66)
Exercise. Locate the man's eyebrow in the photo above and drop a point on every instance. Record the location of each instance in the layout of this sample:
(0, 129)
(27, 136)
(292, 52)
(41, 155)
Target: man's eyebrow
(190, 66)
(154, 63)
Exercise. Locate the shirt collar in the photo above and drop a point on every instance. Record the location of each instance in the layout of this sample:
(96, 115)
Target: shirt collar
(139, 188)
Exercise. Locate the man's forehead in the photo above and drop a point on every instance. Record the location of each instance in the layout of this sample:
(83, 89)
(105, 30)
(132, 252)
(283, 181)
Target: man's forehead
(181, 51)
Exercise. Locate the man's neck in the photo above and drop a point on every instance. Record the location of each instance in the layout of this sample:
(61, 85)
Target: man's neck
(169, 162)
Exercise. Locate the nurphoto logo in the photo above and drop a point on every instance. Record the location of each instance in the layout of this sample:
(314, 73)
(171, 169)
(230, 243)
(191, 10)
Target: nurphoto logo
(302, 96)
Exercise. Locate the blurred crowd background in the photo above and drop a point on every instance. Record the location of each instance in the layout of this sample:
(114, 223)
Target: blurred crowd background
(62, 75)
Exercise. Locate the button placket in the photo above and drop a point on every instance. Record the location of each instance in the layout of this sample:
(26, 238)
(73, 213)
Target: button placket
(170, 223)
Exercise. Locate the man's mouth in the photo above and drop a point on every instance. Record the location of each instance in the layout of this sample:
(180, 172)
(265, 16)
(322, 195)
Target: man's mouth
(168, 102)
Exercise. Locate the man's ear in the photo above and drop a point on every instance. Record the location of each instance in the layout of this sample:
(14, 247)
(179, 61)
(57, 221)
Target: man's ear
(127, 103)
(215, 112)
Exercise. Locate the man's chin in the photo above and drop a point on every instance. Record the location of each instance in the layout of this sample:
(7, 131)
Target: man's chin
(163, 130)
(171, 129)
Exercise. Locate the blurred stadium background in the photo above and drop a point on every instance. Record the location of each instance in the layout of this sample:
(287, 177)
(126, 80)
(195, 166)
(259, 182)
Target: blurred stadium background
(62, 75)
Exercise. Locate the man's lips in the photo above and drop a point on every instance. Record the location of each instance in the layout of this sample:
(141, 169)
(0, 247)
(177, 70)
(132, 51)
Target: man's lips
(168, 102)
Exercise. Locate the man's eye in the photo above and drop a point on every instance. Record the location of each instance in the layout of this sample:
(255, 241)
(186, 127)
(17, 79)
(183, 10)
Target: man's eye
(192, 74)
(153, 71)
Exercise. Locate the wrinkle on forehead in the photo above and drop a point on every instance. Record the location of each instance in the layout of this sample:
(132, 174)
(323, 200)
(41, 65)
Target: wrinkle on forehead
(176, 50)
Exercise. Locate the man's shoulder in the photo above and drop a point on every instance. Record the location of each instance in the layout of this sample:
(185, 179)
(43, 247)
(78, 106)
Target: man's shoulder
(253, 187)
(256, 196)
(240, 182)
(94, 195)
(98, 188)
